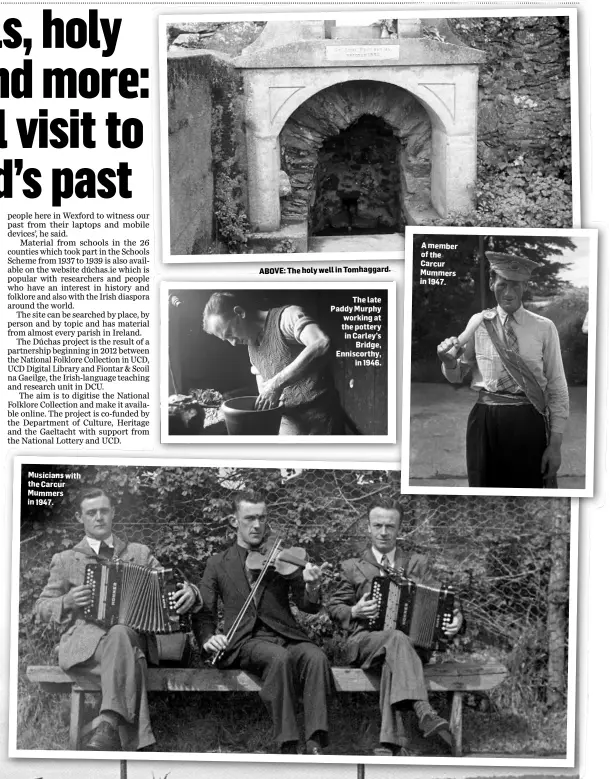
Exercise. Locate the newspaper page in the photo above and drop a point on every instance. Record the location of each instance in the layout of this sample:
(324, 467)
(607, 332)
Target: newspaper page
(203, 214)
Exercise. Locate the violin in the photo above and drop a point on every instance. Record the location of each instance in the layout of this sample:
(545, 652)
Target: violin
(284, 561)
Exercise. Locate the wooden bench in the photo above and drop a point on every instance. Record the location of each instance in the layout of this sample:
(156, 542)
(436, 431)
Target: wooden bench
(452, 677)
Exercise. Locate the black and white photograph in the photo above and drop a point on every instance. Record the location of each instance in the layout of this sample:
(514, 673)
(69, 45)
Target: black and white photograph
(279, 362)
(302, 136)
(499, 366)
(242, 612)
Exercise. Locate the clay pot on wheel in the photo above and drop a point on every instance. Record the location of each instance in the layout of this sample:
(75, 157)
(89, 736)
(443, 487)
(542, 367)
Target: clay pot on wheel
(241, 418)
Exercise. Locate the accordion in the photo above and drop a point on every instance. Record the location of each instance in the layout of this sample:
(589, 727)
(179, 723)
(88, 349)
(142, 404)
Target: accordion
(142, 598)
(421, 612)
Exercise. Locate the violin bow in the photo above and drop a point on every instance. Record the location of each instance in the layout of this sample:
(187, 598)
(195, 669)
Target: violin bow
(248, 602)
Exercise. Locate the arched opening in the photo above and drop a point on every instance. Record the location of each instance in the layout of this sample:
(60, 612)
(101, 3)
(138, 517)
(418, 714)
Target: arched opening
(357, 181)
(357, 156)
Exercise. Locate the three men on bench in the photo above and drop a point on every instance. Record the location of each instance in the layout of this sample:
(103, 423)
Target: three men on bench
(267, 642)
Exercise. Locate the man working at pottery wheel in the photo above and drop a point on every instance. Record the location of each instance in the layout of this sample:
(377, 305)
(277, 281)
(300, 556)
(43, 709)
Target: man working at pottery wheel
(290, 356)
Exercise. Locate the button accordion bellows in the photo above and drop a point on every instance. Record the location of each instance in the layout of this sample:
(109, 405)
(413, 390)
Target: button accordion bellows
(142, 598)
(420, 611)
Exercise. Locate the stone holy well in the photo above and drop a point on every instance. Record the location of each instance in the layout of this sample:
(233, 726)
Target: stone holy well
(345, 129)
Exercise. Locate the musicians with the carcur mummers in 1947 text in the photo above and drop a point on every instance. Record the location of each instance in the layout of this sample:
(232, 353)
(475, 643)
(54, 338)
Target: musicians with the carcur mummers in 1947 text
(515, 429)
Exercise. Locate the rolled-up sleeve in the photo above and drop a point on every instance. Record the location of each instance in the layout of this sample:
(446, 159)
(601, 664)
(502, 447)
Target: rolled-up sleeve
(465, 363)
(557, 396)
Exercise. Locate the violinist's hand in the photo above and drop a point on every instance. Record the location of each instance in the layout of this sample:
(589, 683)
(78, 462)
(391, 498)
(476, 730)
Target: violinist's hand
(454, 626)
(186, 598)
(312, 576)
(366, 608)
(313, 573)
(217, 643)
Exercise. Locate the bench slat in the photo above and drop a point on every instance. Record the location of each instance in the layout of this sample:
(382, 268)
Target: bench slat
(440, 677)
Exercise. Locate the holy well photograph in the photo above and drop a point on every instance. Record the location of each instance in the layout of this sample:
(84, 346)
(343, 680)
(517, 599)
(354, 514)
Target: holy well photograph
(309, 136)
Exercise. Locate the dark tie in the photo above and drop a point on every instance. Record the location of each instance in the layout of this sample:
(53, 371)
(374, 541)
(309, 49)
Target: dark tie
(385, 562)
(506, 383)
(105, 551)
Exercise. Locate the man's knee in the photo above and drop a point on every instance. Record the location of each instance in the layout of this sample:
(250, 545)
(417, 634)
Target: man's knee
(314, 657)
(122, 635)
(397, 638)
(278, 658)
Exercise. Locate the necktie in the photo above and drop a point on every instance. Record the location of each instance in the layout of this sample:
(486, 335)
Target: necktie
(385, 562)
(506, 383)
(105, 551)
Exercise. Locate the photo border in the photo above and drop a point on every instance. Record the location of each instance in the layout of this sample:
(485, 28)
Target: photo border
(167, 287)
(588, 490)
(531, 762)
(447, 13)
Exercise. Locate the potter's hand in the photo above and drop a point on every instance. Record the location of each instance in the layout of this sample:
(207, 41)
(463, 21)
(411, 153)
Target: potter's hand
(269, 395)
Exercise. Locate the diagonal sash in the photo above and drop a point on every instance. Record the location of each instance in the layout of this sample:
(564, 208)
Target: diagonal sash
(518, 370)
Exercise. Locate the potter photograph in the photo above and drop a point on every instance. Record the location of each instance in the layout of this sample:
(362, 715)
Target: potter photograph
(278, 362)
(287, 612)
(499, 366)
(310, 136)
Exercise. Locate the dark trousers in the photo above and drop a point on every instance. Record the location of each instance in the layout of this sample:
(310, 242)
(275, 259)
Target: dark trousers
(402, 677)
(119, 667)
(504, 446)
(289, 669)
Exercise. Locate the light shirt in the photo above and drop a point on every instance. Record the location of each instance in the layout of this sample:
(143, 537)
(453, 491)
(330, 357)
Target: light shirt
(390, 556)
(94, 543)
(292, 323)
(538, 347)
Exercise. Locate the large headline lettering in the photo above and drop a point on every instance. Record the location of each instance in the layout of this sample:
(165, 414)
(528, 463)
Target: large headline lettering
(77, 129)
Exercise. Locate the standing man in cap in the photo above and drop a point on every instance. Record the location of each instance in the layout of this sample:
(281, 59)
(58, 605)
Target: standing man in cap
(515, 428)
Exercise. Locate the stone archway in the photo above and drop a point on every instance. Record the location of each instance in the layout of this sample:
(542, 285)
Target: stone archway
(333, 111)
(292, 62)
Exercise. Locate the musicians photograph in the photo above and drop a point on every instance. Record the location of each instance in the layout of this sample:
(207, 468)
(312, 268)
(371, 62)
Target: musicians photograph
(351, 607)
(115, 658)
(260, 633)
(513, 357)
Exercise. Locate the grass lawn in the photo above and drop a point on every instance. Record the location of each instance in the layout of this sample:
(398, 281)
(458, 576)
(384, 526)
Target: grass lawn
(238, 723)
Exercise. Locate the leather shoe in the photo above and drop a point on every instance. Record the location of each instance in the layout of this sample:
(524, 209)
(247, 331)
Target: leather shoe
(312, 747)
(432, 724)
(289, 748)
(386, 750)
(105, 738)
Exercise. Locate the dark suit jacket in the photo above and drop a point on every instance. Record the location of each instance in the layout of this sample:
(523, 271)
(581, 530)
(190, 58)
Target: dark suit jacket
(80, 639)
(224, 579)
